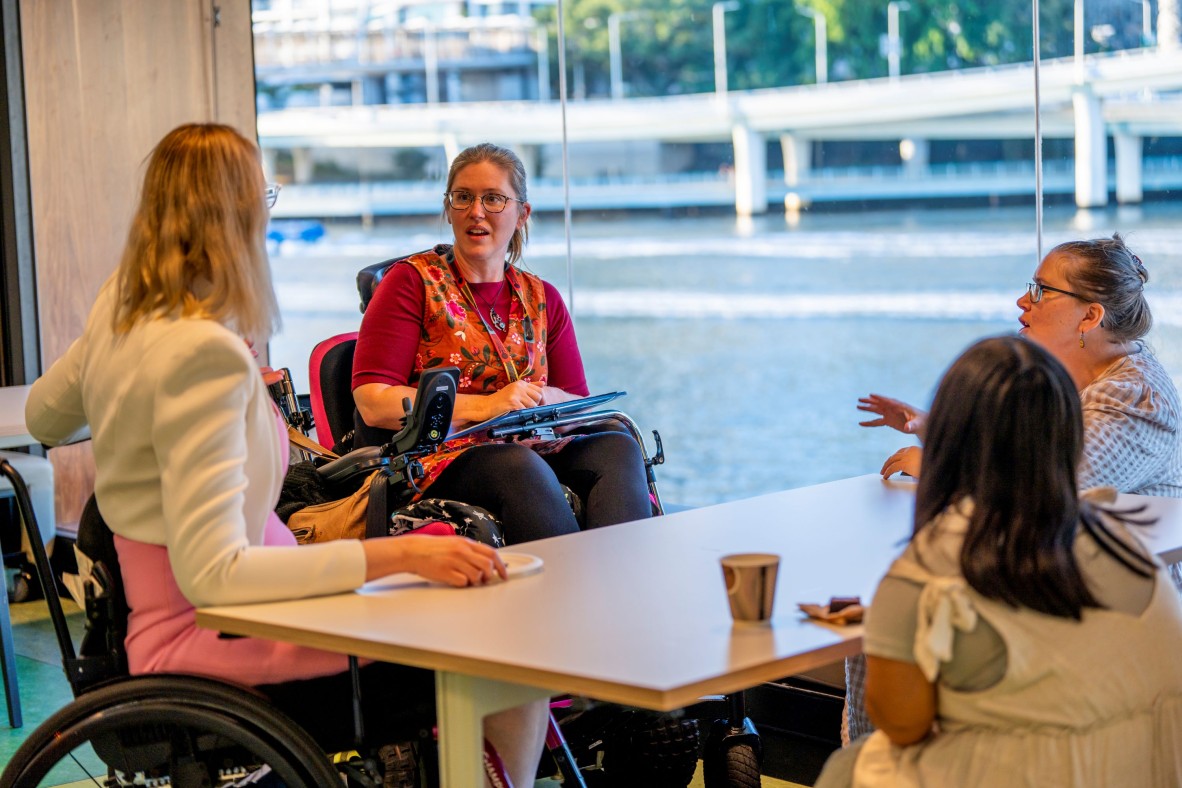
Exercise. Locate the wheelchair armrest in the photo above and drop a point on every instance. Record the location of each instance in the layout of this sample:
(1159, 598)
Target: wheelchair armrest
(359, 461)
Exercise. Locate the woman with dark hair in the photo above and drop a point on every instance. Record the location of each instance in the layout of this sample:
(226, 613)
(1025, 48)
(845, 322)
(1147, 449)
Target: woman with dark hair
(469, 305)
(1024, 636)
(1087, 306)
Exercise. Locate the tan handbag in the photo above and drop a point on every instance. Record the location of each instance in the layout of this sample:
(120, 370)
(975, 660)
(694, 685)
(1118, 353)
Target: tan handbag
(342, 519)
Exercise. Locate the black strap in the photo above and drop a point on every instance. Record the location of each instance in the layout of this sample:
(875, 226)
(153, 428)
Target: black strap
(377, 513)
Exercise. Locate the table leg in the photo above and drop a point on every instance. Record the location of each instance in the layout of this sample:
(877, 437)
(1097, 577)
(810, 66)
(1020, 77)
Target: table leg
(463, 702)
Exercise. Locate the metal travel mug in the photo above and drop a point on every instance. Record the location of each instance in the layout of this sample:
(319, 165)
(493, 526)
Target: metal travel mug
(750, 585)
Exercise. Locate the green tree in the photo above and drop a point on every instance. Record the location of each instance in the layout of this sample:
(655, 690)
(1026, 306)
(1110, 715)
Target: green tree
(667, 46)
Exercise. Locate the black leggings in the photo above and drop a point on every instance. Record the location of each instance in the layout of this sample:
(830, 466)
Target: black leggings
(522, 487)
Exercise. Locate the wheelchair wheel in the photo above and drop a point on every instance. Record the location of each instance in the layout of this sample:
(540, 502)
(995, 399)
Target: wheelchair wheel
(653, 751)
(181, 731)
(22, 588)
(735, 767)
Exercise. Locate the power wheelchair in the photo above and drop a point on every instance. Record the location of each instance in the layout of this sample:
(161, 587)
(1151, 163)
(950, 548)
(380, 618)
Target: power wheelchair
(632, 746)
(641, 747)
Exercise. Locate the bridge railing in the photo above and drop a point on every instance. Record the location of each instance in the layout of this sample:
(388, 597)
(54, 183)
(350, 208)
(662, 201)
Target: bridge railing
(707, 189)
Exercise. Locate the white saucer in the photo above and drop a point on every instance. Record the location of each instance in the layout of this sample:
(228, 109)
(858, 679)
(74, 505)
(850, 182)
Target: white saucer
(520, 564)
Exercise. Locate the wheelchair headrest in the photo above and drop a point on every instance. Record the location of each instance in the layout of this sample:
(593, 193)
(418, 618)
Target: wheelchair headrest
(370, 277)
(330, 377)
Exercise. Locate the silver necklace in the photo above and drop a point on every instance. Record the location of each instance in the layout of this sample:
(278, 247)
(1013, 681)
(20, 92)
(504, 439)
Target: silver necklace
(497, 321)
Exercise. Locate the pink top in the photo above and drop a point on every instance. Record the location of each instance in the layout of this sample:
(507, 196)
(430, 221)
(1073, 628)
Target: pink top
(162, 632)
(389, 339)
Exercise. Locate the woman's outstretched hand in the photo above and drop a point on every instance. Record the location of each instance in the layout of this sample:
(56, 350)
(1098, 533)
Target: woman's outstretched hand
(454, 560)
(907, 460)
(893, 413)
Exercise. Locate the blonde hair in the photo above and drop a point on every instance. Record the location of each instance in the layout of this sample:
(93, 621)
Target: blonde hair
(511, 165)
(197, 243)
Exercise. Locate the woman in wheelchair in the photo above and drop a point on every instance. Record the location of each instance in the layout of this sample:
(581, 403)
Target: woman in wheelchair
(469, 305)
(190, 454)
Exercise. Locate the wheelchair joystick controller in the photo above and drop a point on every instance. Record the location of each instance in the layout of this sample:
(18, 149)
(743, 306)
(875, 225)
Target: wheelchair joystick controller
(428, 421)
(426, 427)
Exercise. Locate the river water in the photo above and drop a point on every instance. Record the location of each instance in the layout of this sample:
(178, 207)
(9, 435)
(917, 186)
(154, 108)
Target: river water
(748, 343)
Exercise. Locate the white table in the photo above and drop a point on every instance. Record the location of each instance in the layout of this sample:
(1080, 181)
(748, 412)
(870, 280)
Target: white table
(633, 614)
(13, 431)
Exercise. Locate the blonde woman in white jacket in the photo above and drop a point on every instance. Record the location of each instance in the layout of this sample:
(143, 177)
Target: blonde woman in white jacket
(191, 453)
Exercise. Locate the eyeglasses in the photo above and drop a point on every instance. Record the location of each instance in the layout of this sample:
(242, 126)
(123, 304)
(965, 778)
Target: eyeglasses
(492, 202)
(1035, 291)
(271, 194)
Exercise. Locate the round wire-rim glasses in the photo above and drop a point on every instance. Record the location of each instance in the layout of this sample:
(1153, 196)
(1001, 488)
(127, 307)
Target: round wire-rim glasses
(492, 202)
(271, 194)
(1035, 291)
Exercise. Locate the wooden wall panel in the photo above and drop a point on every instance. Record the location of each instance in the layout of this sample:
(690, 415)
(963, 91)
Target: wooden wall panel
(104, 82)
(234, 83)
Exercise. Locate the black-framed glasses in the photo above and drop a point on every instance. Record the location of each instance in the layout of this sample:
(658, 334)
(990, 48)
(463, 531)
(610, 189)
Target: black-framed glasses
(1035, 291)
(492, 202)
(271, 194)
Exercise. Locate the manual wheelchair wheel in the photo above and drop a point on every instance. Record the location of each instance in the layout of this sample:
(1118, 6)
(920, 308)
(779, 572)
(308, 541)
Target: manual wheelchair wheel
(182, 731)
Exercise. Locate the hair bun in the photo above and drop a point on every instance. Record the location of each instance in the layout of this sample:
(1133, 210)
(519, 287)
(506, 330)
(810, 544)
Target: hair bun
(1141, 270)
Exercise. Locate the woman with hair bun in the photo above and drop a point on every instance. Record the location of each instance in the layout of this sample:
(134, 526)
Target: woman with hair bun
(1086, 305)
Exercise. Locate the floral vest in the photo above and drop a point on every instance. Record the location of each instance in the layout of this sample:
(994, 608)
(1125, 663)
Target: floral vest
(455, 334)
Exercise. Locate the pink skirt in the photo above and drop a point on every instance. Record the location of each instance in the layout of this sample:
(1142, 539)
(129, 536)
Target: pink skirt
(163, 636)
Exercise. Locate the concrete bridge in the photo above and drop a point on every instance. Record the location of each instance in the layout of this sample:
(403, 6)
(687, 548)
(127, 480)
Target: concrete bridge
(1125, 95)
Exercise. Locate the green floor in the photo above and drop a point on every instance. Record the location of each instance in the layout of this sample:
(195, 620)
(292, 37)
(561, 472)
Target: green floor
(43, 690)
(43, 687)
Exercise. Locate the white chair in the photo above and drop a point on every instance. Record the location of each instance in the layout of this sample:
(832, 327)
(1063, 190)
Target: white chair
(38, 475)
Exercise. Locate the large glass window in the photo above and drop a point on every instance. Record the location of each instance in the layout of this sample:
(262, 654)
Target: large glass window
(775, 208)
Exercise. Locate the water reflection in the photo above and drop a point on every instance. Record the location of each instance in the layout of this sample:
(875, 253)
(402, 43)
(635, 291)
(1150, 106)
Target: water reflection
(748, 343)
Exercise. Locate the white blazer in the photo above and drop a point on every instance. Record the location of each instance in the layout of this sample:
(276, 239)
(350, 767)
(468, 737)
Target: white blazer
(188, 454)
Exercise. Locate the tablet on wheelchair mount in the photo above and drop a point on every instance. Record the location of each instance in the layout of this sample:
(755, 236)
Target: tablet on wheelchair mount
(523, 420)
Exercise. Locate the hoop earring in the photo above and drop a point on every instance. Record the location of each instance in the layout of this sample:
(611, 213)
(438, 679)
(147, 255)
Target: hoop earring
(1081, 339)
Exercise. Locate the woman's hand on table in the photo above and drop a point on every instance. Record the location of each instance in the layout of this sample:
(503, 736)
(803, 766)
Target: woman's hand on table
(454, 560)
(907, 460)
(893, 413)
